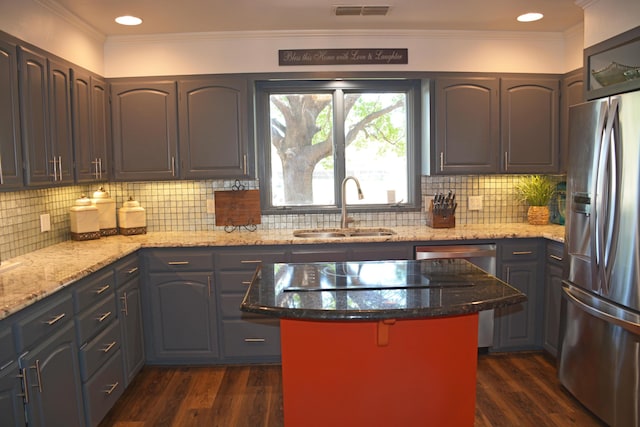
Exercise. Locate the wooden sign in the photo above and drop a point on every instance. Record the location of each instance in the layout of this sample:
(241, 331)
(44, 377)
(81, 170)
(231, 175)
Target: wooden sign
(342, 56)
(237, 208)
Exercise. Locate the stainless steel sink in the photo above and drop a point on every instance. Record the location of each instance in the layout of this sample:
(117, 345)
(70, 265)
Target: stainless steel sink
(343, 232)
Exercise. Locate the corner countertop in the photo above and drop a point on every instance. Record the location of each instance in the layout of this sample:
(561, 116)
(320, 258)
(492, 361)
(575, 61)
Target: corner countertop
(375, 290)
(36, 275)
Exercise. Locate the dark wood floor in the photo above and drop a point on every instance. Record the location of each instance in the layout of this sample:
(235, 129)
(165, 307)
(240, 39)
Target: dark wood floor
(516, 389)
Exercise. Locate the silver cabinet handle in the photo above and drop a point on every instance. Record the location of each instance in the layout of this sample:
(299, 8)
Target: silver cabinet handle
(133, 270)
(521, 253)
(95, 164)
(246, 283)
(55, 169)
(104, 317)
(55, 319)
(255, 340)
(251, 261)
(508, 275)
(244, 164)
(38, 376)
(441, 161)
(100, 168)
(60, 166)
(102, 289)
(23, 377)
(178, 263)
(108, 347)
(1, 177)
(556, 257)
(111, 388)
(173, 166)
(125, 304)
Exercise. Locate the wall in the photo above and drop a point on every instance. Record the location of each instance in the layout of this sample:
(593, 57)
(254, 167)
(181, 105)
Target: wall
(604, 19)
(181, 206)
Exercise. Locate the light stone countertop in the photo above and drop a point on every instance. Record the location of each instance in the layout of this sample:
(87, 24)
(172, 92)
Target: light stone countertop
(36, 275)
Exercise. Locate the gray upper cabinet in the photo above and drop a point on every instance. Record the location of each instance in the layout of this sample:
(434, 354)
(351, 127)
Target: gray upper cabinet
(145, 134)
(45, 97)
(572, 93)
(529, 110)
(90, 126)
(10, 149)
(467, 125)
(214, 140)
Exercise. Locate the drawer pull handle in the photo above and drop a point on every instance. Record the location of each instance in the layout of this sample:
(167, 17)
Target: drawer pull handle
(521, 252)
(125, 304)
(112, 387)
(108, 347)
(103, 317)
(23, 378)
(178, 262)
(254, 340)
(133, 270)
(102, 289)
(54, 320)
(38, 376)
(246, 283)
(251, 261)
(556, 257)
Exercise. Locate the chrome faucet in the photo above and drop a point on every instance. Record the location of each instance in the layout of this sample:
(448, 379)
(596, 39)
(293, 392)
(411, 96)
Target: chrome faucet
(345, 220)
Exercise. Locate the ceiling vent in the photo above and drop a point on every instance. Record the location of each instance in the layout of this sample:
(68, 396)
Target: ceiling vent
(361, 10)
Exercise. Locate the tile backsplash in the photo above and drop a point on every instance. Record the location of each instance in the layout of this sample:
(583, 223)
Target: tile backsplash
(181, 206)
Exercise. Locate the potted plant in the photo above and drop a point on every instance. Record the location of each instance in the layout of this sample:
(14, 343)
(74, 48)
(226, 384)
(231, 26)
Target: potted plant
(537, 191)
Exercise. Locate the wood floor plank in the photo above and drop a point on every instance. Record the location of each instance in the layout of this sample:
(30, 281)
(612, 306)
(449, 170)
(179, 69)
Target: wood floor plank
(513, 389)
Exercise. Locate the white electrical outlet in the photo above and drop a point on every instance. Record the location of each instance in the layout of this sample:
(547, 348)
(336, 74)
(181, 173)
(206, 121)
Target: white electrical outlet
(45, 222)
(475, 203)
(211, 206)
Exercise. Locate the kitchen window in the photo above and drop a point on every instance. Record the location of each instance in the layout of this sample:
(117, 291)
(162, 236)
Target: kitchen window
(313, 134)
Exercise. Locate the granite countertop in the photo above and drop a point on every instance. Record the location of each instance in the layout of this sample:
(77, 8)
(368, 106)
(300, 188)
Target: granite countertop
(374, 290)
(36, 275)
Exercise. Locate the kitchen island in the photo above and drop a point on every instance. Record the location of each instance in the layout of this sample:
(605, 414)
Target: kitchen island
(378, 343)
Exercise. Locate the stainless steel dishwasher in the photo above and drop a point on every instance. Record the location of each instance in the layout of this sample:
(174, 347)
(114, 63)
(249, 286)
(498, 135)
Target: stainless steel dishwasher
(480, 255)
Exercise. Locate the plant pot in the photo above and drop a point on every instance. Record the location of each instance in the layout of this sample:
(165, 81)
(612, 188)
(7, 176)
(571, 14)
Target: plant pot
(538, 215)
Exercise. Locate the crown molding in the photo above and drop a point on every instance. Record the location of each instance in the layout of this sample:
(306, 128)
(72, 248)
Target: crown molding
(584, 4)
(63, 13)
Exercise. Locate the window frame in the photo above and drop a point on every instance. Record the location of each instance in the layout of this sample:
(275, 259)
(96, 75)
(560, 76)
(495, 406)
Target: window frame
(412, 89)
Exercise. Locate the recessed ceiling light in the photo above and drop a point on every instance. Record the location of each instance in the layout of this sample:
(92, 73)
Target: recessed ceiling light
(530, 17)
(128, 20)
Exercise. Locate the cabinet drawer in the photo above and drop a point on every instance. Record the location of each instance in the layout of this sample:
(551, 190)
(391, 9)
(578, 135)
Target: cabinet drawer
(185, 260)
(44, 321)
(7, 348)
(127, 269)
(234, 281)
(95, 319)
(520, 251)
(555, 253)
(230, 308)
(251, 338)
(93, 289)
(247, 259)
(95, 353)
(103, 389)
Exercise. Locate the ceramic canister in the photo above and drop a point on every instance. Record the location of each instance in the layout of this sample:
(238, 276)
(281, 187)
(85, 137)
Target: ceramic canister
(85, 223)
(107, 212)
(132, 218)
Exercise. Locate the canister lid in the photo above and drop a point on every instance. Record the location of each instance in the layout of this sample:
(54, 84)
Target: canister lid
(100, 194)
(83, 203)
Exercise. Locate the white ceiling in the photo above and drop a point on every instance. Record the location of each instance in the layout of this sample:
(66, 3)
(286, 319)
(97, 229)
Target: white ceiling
(185, 16)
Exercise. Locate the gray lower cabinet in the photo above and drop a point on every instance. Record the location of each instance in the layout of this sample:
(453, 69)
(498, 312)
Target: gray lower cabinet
(129, 300)
(517, 326)
(144, 118)
(245, 337)
(552, 296)
(46, 340)
(182, 307)
(10, 138)
(214, 127)
(11, 404)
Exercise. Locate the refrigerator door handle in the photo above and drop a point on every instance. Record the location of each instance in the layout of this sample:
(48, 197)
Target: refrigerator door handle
(598, 165)
(601, 309)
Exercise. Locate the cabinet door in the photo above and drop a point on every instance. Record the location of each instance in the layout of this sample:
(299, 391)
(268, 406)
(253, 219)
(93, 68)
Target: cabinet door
(552, 298)
(100, 126)
(60, 121)
(572, 93)
(529, 121)
(145, 135)
(184, 326)
(53, 378)
(214, 128)
(130, 312)
(10, 139)
(467, 125)
(11, 406)
(39, 158)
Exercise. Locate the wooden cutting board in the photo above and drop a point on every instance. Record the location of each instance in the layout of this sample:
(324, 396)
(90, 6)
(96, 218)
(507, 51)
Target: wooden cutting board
(237, 207)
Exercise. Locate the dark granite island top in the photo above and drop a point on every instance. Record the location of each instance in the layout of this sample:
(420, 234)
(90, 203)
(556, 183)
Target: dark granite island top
(378, 343)
(376, 290)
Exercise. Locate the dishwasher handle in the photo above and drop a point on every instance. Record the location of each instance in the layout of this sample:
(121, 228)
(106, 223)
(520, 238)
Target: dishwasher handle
(450, 252)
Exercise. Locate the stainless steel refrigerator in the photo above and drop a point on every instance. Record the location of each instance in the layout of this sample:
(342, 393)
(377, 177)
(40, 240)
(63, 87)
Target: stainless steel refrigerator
(599, 360)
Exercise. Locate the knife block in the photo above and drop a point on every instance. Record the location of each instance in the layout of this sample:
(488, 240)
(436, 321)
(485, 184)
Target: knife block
(439, 221)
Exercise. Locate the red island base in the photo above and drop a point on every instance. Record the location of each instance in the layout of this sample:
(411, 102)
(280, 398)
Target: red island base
(417, 372)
